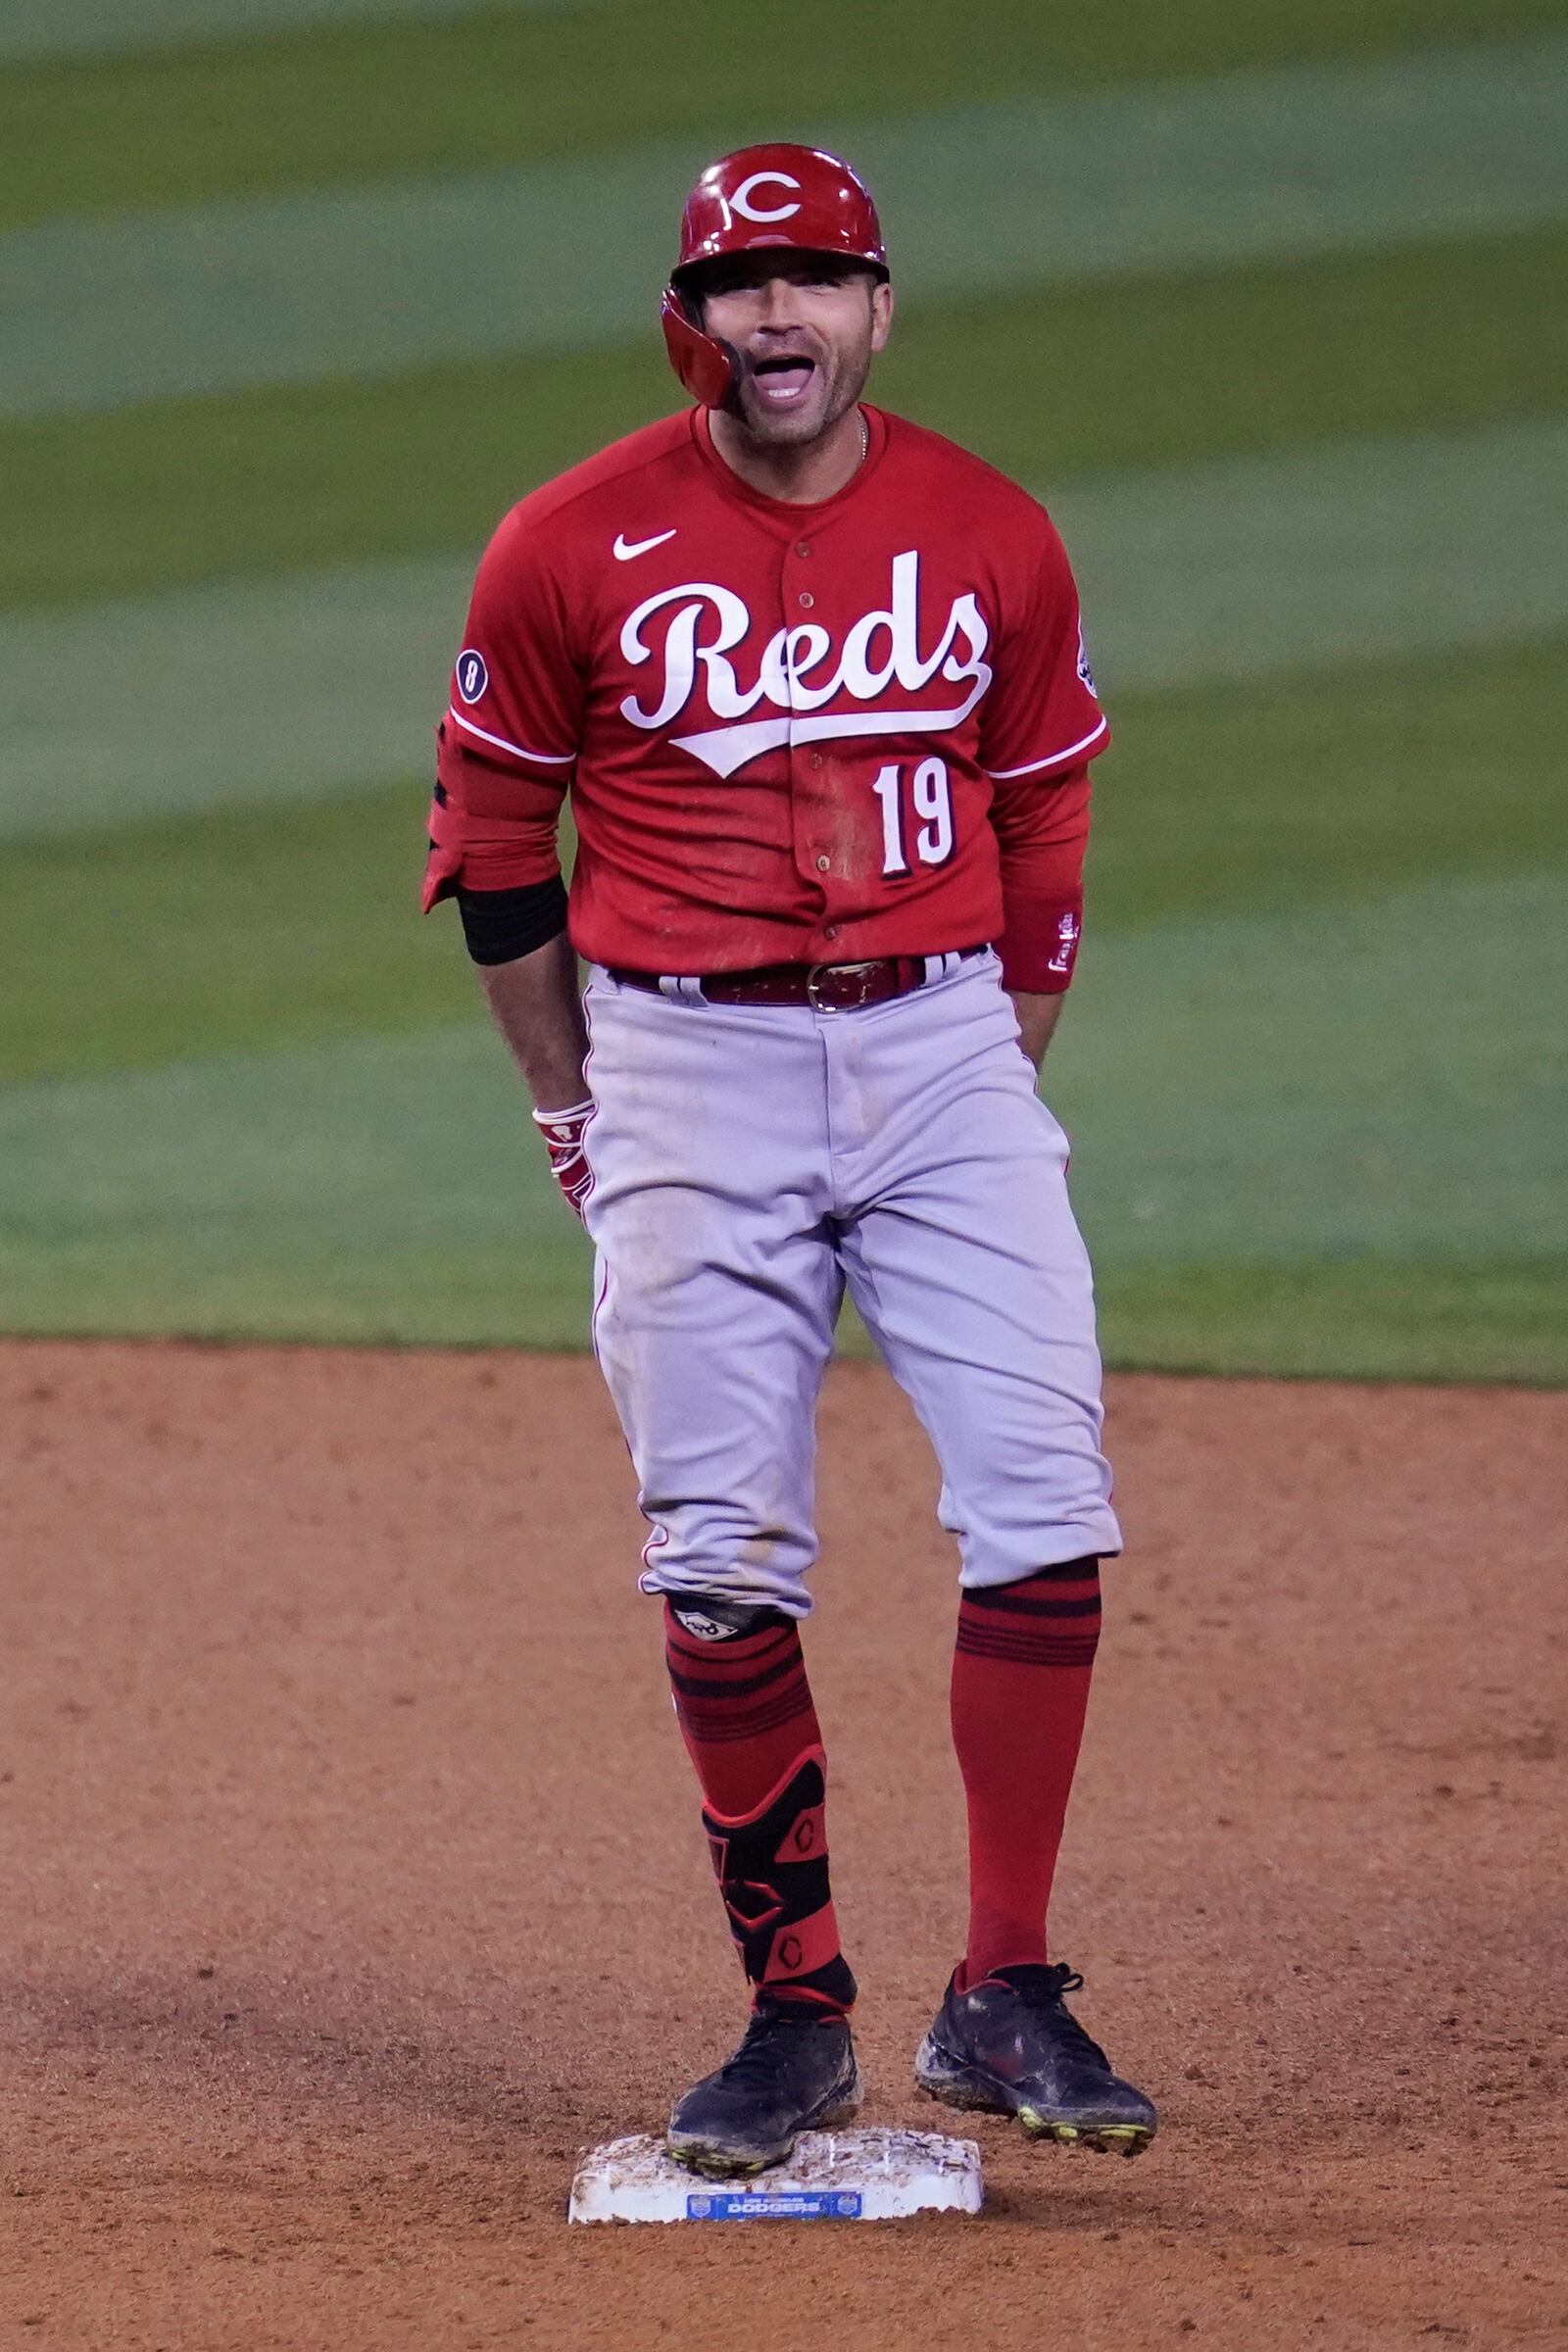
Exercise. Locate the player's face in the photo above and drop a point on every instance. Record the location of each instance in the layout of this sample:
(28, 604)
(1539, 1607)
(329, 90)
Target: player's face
(805, 328)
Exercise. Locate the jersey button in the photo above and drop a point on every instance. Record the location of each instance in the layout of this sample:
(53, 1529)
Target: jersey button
(806, 599)
(831, 932)
(822, 865)
(803, 547)
(816, 759)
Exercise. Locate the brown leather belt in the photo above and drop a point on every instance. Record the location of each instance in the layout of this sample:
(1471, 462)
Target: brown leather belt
(828, 986)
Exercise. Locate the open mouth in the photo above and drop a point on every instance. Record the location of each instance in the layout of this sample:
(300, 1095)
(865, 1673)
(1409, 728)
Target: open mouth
(783, 382)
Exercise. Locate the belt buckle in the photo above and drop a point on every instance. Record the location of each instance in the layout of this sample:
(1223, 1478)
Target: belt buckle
(841, 971)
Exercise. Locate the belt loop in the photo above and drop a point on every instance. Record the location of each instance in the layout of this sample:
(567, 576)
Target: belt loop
(934, 970)
(682, 987)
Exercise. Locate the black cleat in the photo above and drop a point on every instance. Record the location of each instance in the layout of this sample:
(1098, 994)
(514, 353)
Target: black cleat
(1012, 2045)
(793, 2072)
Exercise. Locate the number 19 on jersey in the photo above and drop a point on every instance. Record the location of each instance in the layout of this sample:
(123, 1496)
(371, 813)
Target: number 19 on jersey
(921, 815)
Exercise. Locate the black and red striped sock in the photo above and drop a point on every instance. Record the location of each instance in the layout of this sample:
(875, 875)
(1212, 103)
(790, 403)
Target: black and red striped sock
(745, 1711)
(1021, 1670)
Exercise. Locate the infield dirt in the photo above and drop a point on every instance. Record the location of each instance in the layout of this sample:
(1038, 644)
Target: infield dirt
(352, 1880)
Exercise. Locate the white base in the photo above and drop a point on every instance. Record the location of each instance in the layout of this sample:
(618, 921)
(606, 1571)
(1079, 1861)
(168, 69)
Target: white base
(832, 2177)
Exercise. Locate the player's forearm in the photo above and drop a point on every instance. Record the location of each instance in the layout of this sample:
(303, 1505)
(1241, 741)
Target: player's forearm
(537, 1006)
(1037, 1017)
(1041, 833)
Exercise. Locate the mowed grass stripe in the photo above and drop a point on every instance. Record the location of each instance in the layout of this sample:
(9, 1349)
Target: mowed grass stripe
(1277, 1085)
(233, 930)
(244, 930)
(31, 29)
(1263, 1091)
(1064, 381)
(1441, 1319)
(299, 288)
(501, 88)
(294, 689)
(299, 689)
(1354, 1317)
(1373, 548)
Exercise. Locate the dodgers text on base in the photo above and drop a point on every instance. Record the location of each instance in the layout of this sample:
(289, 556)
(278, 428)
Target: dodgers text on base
(869, 2175)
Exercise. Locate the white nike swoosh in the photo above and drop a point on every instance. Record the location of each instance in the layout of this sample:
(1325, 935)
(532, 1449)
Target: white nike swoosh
(625, 548)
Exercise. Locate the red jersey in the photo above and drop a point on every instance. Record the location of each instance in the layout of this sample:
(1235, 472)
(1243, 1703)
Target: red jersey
(791, 733)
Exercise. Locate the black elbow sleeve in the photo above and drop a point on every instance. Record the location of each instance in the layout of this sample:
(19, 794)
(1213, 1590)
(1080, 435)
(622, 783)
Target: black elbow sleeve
(499, 925)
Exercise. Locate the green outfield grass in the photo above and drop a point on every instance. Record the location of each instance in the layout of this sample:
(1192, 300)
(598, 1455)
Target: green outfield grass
(1314, 1067)
(1065, 383)
(1298, 1144)
(364, 102)
(1352, 1318)
(242, 930)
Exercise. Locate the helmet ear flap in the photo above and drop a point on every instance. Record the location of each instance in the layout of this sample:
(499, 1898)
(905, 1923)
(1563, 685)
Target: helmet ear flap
(705, 366)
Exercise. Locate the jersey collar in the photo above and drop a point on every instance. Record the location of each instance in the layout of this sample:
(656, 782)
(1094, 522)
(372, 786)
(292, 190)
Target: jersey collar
(790, 518)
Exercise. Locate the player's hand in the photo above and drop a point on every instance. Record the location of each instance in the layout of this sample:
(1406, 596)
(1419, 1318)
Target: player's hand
(563, 1131)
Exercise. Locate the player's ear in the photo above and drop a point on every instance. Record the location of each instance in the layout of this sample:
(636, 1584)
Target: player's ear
(881, 315)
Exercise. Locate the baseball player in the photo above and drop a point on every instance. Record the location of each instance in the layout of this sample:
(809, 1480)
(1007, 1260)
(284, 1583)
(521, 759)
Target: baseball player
(815, 681)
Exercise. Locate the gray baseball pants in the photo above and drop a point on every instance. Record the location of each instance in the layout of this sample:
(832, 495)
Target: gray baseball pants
(751, 1162)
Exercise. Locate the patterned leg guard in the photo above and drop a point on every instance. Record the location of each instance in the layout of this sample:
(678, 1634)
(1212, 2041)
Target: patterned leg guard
(771, 1867)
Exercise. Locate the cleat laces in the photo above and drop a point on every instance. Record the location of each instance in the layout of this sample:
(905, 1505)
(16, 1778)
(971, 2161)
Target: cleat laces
(752, 2065)
(1046, 1988)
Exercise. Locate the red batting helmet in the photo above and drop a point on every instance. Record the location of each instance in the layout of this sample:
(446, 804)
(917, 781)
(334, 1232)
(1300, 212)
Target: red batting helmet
(799, 197)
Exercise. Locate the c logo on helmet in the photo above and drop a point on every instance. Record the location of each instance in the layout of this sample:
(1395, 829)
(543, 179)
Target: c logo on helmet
(741, 200)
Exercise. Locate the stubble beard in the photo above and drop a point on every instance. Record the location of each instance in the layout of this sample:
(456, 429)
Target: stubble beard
(844, 381)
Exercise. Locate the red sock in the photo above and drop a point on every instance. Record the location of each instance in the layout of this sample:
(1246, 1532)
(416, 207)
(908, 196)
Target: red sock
(745, 1711)
(1020, 1689)
(744, 1707)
